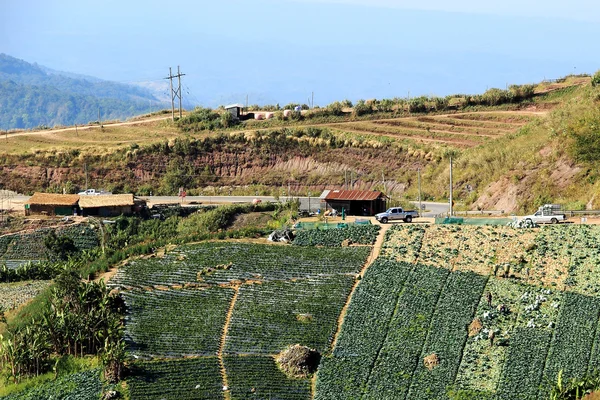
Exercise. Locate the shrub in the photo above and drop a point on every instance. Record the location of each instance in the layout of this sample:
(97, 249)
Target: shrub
(596, 79)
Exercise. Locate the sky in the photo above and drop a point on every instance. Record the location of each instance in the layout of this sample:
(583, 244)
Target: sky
(281, 51)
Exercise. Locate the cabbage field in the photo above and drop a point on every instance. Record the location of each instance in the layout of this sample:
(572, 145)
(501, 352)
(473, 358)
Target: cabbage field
(421, 325)
(444, 312)
(216, 314)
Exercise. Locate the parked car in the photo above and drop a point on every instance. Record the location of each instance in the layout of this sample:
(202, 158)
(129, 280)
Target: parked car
(547, 214)
(92, 192)
(396, 213)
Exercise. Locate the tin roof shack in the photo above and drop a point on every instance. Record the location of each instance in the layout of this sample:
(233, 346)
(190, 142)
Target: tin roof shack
(235, 110)
(52, 204)
(354, 202)
(111, 205)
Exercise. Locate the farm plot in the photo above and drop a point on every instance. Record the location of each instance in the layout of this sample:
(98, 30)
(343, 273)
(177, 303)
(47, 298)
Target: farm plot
(79, 386)
(435, 125)
(344, 374)
(257, 377)
(408, 329)
(513, 306)
(175, 323)
(30, 246)
(447, 336)
(184, 379)
(571, 345)
(403, 242)
(359, 234)
(222, 263)
(13, 295)
(270, 316)
(522, 372)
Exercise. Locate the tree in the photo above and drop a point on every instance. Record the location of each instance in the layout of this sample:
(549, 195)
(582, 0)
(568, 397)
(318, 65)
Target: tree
(60, 247)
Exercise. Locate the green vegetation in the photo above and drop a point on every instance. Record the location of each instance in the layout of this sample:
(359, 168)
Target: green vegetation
(216, 263)
(77, 386)
(31, 97)
(270, 316)
(193, 378)
(191, 319)
(257, 377)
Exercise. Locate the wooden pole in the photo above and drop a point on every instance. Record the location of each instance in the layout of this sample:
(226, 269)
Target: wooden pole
(451, 201)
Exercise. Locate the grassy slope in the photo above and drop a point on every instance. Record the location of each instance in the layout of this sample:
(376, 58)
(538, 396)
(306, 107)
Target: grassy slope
(499, 162)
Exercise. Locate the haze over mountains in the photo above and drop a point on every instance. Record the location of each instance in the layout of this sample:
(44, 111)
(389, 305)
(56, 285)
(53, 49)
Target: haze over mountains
(32, 95)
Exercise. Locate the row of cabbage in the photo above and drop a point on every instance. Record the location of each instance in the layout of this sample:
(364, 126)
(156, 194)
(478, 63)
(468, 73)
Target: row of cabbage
(356, 234)
(78, 386)
(181, 379)
(30, 246)
(223, 262)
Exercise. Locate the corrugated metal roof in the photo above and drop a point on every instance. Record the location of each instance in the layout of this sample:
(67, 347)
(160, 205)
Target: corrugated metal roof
(52, 199)
(360, 195)
(108, 200)
(234, 106)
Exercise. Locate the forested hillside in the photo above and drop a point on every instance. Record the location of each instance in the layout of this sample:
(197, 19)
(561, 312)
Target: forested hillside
(33, 96)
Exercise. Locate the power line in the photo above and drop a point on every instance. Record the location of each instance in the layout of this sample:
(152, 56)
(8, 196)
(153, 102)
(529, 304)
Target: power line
(175, 92)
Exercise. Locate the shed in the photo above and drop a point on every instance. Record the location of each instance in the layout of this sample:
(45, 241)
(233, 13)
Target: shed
(354, 202)
(235, 110)
(110, 205)
(52, 204)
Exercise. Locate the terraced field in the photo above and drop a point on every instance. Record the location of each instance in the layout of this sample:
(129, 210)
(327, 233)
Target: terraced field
(470, 313)
(211, 317)
(459, 130)
(445, 312)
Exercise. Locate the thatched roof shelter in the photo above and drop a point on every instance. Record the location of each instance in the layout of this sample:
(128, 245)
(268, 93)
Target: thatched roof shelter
(107, 200)
(52, 199)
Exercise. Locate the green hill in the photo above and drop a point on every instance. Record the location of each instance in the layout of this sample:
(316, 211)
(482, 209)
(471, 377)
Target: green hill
(33, 96)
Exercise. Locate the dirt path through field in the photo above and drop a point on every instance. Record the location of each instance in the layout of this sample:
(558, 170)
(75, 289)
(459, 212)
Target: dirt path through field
(226, 393)
(372, 257)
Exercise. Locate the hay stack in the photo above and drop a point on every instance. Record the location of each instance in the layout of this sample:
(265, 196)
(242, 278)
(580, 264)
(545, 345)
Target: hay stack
(298, 361)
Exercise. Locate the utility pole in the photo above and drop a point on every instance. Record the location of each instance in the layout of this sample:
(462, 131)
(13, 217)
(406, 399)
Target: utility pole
(175, 92)
(383, 179)
(99, 120)
(86, 176)
(419, 179)
(312, 101)
(451, 201)
(246, 103)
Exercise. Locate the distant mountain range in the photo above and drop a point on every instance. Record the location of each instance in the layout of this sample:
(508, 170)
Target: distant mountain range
(33, 96)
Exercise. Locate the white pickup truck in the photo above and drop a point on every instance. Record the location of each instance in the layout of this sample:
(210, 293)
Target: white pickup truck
(396, 213)
(547, 214)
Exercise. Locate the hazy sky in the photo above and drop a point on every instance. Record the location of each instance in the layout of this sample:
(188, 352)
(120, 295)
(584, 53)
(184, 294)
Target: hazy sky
(281, 50)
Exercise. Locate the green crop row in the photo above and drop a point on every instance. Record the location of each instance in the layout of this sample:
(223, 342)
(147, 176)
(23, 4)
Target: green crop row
(573, 338)
(257, 377)
(175, 322)
(522, 373)
(447, 335)
(408, 329)
(79, 386)
(184, 379)
(359, 234)
(216, 263)
(269, 317)
(30, 246)
(344, 374)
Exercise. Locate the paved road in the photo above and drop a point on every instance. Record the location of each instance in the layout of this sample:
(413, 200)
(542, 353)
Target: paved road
(433, 209)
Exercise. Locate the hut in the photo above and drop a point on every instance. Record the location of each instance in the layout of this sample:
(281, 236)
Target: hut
(235, 110)
(354, 202)
(110, 205)
(52, 204)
